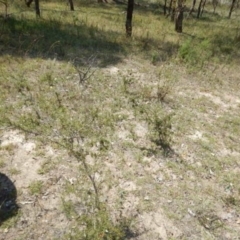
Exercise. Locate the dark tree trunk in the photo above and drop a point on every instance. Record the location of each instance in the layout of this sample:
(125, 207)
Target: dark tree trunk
(165, 7)
(102, 1)
(199, 8)
(129, 18)
(179, 16)
(37, 9)
(71, 5)
(214, 3)
(28, 2)
(231, 8)
(192, 8)
(204, 2)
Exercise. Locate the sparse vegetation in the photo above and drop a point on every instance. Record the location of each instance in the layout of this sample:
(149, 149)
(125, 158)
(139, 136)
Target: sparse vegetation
(14, 171)
(47, 166)
(108, 137)
(35, 188)
(2, 163)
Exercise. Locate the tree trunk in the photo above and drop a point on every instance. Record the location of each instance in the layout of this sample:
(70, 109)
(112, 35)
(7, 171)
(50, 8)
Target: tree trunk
(28, 3)
(129, 18)
(204, 2)
(231, 8)
(192, 8)
(199, 8)
(37, 9)
(214, 3)
(165, 7)
(71, 5)
(179, 16)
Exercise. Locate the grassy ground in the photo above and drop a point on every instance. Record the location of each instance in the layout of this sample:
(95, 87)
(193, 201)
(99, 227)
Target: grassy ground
(112, 138)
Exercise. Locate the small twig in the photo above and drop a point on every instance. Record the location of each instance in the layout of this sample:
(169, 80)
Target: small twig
(59, 100)
(79, 156)
(87, 72)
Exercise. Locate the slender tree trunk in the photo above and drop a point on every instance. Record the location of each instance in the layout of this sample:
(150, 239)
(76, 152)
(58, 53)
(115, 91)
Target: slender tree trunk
(37, 9)
(71, 5)
(179, 16)
(192, 8)
(204, 2)
(231, 8)
(199, 8)
(129, 18)
(28, 2)
(165, 7)
(214, 3)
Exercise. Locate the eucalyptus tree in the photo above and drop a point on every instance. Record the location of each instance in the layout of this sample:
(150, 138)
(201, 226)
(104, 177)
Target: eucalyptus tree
(179, 16)
(201, 8)
(128, 25)
(37, 7)
(231, 8)
(193, 7)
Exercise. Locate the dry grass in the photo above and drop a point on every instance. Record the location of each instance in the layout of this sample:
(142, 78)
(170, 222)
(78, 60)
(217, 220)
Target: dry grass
(146, 145)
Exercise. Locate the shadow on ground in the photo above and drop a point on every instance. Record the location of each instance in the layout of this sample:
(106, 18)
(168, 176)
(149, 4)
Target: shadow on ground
(8, 195)
(39, 38)
(55, 38)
